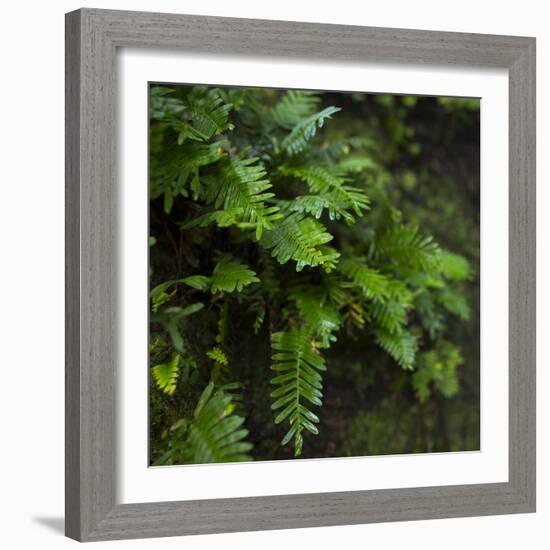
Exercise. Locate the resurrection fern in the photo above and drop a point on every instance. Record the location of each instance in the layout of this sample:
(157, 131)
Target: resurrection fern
(298, 365)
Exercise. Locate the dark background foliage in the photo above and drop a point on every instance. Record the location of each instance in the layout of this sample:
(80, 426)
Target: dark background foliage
(417, 161)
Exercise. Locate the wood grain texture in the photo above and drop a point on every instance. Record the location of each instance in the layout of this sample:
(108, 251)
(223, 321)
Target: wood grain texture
(92, 37)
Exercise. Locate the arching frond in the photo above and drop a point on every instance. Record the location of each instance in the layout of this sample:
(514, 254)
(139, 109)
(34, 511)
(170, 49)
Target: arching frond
(305, 130)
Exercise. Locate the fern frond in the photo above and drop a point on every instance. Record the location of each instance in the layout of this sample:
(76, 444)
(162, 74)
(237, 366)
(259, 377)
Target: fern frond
(242, 184)
(177, 172)
(374, 285)
(454, 267)
(437, 368)
(215, 433)
(333, 188)
(166, 375)
(293, 107)
(320, 318)
(218, 356)
(229, 275)
(301, 239)
(305, 130)
(405, 246)
(402, 347)
(299, 382)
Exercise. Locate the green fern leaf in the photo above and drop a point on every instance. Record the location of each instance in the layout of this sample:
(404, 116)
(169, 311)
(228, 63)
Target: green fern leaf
(305, 130)
(166, 375)
(406, 247)
(242, 185)
(293, 107)
(215, 433)
(229, 275)
(454, 266)
(372, 283)
(331, 187)
(320, 318)
(301, 239)
(402, 347)
(299, 382)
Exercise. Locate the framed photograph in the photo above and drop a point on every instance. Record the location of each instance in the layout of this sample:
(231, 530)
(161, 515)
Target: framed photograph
(300, 275)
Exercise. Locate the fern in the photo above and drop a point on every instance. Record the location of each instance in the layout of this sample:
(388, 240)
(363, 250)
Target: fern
(305, 130)
(242, 185)
(437, 369)
(372, 283)
(299, 382)
(229, 275)
(340, 199)
(405, 246)
(454, 266)
(301, 239)
(402, 347)
(293, 107)
(166, 375)
(213, 434)
(320, 318)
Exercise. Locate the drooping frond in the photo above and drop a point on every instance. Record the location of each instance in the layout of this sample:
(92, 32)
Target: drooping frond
(215, 433)
(293, 107)
(166, 375)
(303, 240)
(405, 246)
(402, 347)
(305, 130)
(229, 275)
(299, 382)
(242, 184)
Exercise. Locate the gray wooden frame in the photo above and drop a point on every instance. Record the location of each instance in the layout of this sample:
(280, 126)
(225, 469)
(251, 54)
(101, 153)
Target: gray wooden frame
(92, 38)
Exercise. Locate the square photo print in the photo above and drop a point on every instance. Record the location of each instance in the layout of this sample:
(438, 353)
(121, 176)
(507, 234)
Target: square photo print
(313, 274)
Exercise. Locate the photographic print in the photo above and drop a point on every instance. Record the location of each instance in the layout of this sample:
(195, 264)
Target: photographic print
(313, 274)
